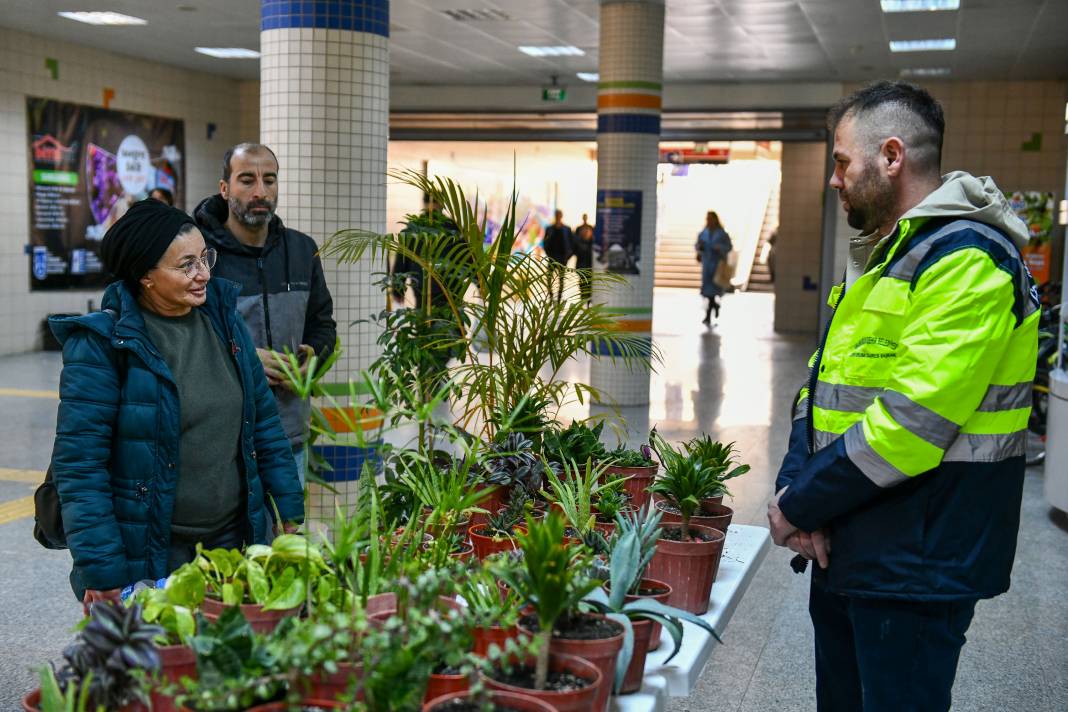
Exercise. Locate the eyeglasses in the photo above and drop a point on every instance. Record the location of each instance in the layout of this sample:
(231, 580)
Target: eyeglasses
(190, 268)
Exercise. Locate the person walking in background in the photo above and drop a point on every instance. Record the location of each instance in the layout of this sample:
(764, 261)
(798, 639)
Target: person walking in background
(713, 246)
(557, 246)
(284, 298)
(167, 434)
(582, 248)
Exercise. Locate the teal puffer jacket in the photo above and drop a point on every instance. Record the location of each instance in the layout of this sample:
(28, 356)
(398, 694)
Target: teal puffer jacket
(116, 454)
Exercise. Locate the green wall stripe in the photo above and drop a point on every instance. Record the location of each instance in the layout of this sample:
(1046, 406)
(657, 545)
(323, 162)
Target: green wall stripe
(629, 310)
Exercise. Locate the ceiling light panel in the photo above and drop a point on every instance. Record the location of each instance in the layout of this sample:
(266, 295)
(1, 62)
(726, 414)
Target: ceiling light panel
(479, 15)
(926, 72)
(111, 19)
(556, 51)
(229, 52)
(939, 45)
(589, 76)
(919, 5)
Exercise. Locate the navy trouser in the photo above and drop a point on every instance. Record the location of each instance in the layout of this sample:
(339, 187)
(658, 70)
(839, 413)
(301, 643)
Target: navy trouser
(886, 655)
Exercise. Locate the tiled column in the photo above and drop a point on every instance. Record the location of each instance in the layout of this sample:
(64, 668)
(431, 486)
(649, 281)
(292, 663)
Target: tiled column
(628, 133)
(324, 110)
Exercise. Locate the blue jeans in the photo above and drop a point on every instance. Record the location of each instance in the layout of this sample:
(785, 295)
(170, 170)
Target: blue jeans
(886, 655)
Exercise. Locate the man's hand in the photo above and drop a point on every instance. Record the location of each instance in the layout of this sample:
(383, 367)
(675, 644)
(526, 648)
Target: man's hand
(305, 353)
(815, 545)
(271, 367)
(94, 596)
(287, 528)
(781, 529)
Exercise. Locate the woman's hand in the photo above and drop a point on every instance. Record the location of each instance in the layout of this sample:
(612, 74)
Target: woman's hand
(93, 596)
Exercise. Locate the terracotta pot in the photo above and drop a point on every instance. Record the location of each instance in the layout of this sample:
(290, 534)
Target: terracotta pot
(329, 686)
(489, 545)
(570, 701)
(31, 702)
(689, 567)
(632, 681)
(496, 499)
(438, 529)
(715, 516)
(637, 483)
(261, 621)
(602, 653)
(485, 637)
(648, 583)
(708, 501)
(445, 684)
(511, 700)
(307, 701)
(176, 662)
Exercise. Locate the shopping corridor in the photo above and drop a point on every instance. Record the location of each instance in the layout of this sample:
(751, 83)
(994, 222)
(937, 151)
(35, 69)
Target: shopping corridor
(734, 380)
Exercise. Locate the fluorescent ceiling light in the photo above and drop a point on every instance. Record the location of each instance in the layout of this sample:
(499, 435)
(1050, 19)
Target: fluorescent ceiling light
(229, 52)
(564, 51)
(589, 76)
(925, 72)
(919, 5)
(943, 45)
(103, 18)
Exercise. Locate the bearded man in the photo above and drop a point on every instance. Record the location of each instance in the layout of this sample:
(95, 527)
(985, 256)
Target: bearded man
(905, 470)
(284, 298)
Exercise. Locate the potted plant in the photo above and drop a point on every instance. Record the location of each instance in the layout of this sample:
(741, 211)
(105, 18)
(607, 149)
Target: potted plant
(573, 496)
(577, 443)
(105, 666)
(645, 524)
(551, 578)
(720, 458)
(487, 701)
(609, 503)
(626, 562)
(494, 612)
(320, 654)
(687, 555)
(499, 531)
(446, 494)
(637, 468)
(511, 465)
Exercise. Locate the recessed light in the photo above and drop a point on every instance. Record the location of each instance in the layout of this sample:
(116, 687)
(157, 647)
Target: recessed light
(940, 45)
(229, 52)
(113, 19)
(589, 76)
(925, 72)
(919, 5)
(560, 51)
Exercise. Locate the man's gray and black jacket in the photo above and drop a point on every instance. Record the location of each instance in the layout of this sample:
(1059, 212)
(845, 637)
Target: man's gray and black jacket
(284, 299)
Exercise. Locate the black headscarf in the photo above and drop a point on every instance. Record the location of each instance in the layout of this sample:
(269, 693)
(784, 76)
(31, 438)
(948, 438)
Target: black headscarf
(137, 241)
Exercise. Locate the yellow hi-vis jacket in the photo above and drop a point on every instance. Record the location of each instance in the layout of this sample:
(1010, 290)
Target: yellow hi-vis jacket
(909, 439)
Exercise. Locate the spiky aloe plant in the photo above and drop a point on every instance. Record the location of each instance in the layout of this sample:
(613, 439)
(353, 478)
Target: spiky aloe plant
(102, 659)
(685, 480)
(644, 525)
(714, 454)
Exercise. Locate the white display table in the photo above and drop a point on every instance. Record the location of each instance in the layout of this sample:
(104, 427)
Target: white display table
(745, 548)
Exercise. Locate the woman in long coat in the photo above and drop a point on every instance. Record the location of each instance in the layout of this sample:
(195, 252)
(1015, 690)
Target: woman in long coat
(713, 245)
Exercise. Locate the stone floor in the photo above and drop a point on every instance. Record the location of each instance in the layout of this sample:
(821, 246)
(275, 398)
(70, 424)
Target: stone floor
(735, 380)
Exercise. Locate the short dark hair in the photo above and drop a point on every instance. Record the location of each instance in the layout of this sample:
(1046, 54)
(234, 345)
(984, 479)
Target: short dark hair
(246, 147)
(168, 196)
(886, 108)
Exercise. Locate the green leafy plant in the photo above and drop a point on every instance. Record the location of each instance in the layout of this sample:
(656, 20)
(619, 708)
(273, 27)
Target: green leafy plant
(107, 662)
(624, 456)
(447, 492)
(551, 578)
(610, 502)
(487, 604)
(497, 300)
(504, 522)
(626, 564)
(575, 492)
(512, 463)
(644, 526)
(577, 442)
(53, 699)
(684, 481)
(278, 577)
(306, 647)
(716, 455)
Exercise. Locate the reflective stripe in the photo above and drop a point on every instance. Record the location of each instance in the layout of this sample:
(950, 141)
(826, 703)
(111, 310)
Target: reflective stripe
(906, 267)
(987, 448)
(849, 399)
(824, 438)
(872, 464)
(800, 408)
(919, 420)
(1006, 397)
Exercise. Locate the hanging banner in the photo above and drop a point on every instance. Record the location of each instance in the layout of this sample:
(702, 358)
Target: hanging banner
(618, 232)
(87, 166)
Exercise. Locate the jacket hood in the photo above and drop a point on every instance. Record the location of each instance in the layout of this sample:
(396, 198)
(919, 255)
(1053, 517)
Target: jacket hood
(964, 196)
(211, 215)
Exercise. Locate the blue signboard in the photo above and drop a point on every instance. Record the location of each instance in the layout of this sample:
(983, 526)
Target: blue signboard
(618, 232)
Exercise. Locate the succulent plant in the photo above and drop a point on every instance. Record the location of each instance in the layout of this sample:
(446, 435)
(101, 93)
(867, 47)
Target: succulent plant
(114, 643)
(504, 522)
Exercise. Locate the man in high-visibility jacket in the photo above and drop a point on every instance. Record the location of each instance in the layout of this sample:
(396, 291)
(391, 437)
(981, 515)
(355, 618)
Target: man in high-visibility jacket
(905, 470)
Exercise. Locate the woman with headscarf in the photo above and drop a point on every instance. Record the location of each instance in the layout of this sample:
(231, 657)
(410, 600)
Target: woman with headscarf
(167, 432)
(713, 246)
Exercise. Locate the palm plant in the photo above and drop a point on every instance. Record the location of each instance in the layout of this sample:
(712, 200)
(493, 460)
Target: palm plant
(507, 328)
(685, 480)
(551, 578)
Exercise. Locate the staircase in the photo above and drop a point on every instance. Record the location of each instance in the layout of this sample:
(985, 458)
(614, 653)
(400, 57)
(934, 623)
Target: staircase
(676, 261)
(760, 275)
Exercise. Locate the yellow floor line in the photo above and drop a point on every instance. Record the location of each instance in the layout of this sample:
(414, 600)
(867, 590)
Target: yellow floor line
(27, 393)
(34, 477)
(16, 509)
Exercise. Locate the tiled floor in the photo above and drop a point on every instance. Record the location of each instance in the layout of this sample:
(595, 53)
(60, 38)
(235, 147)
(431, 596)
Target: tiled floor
(734, 380)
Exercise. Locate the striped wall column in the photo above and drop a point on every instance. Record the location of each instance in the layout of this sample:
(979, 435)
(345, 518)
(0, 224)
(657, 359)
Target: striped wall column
(324, 110)
(628, 134)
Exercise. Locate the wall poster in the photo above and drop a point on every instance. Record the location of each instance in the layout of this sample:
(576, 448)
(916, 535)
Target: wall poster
(617, 234)
(87, 166)
(1035, 208)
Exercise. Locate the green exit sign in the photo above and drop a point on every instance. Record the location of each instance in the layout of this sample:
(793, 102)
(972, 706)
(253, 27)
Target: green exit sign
(553, 94)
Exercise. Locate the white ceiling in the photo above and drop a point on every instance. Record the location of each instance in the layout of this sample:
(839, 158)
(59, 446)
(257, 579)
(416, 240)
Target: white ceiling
(705, 40)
